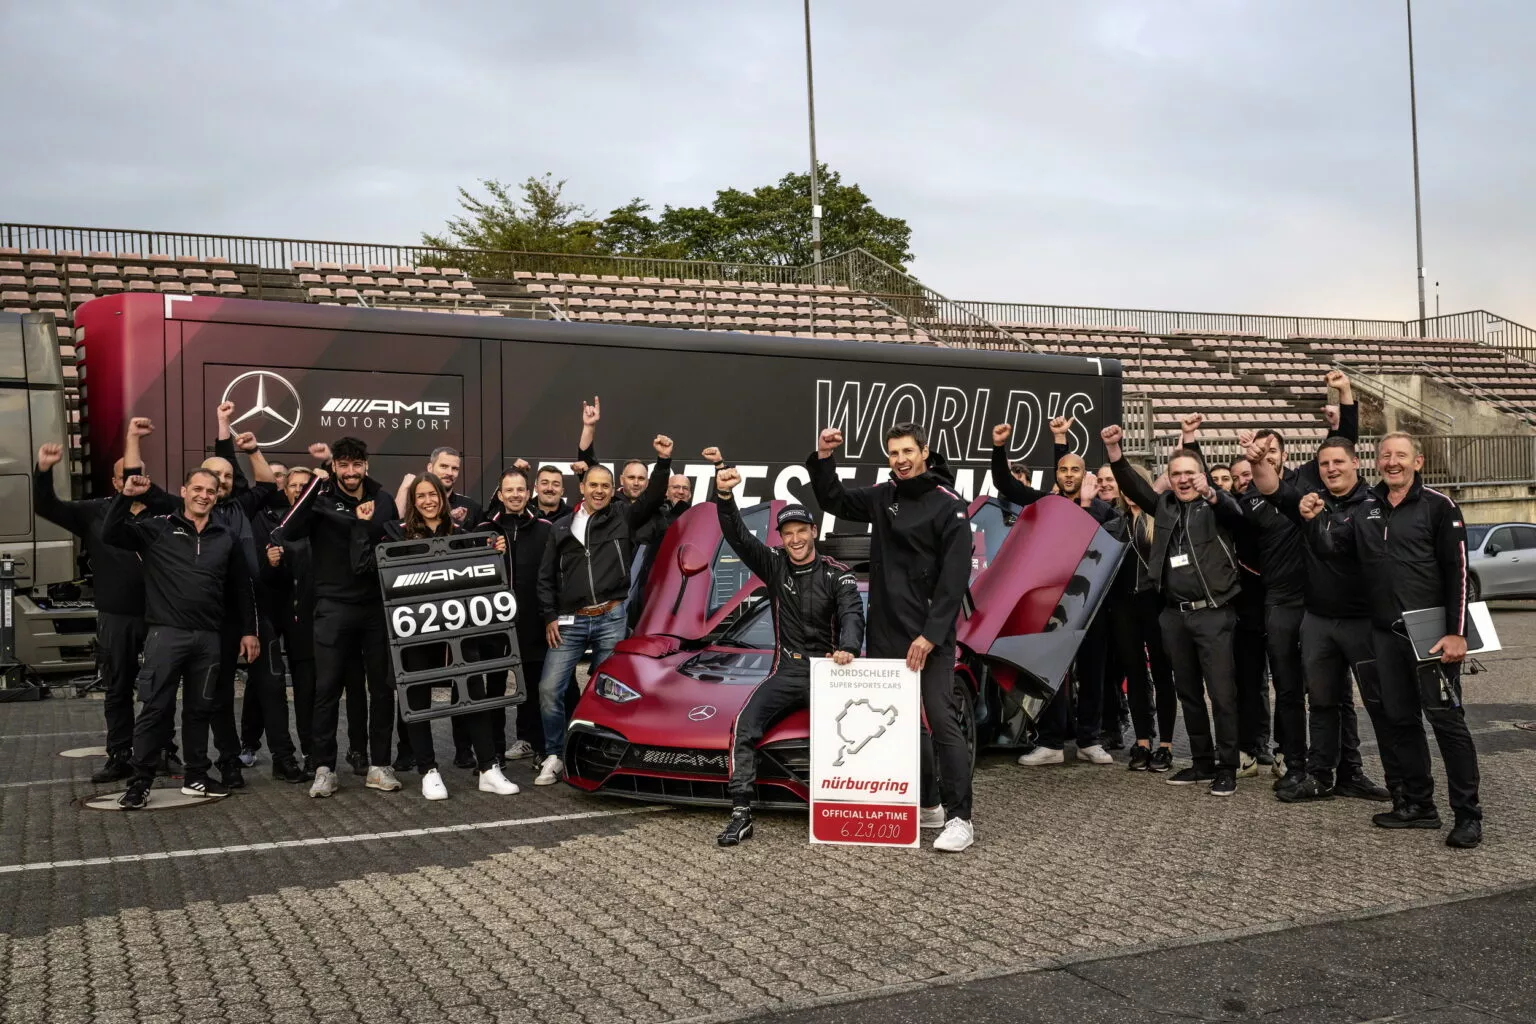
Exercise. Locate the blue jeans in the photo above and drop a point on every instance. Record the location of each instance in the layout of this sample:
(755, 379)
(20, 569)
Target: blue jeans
(599, 632)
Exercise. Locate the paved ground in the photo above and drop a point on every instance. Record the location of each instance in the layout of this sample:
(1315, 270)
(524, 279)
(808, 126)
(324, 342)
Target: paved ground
(552, 906)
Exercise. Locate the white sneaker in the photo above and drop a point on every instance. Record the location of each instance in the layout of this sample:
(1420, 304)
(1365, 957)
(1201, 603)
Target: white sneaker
(519, 750)
(549, 771)
(1095, 754)
(1042, 755)
(382, 778)
(1248, 766)
(958, 835)
(492, 781)
(326, 783)
(432, 786)
(932, 817)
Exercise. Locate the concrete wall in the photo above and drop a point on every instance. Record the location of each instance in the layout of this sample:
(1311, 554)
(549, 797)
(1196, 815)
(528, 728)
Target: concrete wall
(1496, 503)
(1472, 415)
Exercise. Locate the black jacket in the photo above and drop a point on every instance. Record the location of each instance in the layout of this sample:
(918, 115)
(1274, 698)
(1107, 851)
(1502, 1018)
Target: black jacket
(328, 516)
(527, 535)
(1212, 573)
(1414, 554)
(187, 575)
(117, 576)
(921, 555)
(1282, 553)
(551, 515)
(816, 607)
(573, 575)
(1333, 582)
(297, 572)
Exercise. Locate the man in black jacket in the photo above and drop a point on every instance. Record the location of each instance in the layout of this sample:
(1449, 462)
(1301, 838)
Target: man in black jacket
(920, 561)
(817, 613)
(117, 580)
(447, 465)
(1412, 546)
(1335, 639)
(265, 711)
(193, 565)
(1194, 562)
(584, 578)
(349, 610)
(527, 535)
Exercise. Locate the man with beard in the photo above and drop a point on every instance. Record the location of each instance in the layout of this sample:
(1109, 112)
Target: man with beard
(349, 613)
(1412, 546)
(920, 558)
(446, 464)
(527, 535)
(1221, 478)
(193, 570)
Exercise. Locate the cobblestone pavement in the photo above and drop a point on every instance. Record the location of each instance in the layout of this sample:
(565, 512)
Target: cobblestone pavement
(554, 906)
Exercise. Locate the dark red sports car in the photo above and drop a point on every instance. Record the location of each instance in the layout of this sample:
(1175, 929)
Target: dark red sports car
(655, 723)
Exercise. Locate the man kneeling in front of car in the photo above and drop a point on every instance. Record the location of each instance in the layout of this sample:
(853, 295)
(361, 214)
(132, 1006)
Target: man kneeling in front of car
(816, 612)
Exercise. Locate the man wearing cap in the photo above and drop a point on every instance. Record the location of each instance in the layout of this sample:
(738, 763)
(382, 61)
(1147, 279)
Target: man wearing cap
(817, 613)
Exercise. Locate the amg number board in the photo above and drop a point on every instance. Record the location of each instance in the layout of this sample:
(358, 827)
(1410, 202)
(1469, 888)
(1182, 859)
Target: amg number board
(451, 612)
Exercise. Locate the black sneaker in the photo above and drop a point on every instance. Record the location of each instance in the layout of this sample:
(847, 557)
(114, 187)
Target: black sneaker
(232, 777)
(1292, 778)
(1225, 782)
(1407, 816)
(1359, 786)
(464, 759)
(1112, 740)
(116, 769)
(203, 787)
(287, 770)
(1265, 759)
(359, 762)
(1141, 759)
(740, 828)
(1191, 775)
(1467, 834)
(1307, 790)
(403, 763)
(1162, 760)
(137, 795)
(309, 766)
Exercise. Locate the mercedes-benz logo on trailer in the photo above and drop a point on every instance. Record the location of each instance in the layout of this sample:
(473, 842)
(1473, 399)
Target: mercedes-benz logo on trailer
(266, 404)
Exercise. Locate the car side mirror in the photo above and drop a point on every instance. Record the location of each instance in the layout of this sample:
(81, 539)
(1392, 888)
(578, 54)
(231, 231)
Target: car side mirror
(690, 560)
(1491, 550)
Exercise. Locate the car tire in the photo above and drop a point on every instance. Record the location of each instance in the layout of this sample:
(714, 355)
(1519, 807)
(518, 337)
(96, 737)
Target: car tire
(1474, 588)
(965, 712)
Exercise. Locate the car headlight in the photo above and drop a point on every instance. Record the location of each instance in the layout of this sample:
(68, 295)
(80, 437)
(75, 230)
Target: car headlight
(610, 688)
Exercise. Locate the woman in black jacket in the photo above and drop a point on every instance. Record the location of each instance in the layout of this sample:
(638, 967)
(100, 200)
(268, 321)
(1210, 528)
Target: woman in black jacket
(514, 515)
(428, 516)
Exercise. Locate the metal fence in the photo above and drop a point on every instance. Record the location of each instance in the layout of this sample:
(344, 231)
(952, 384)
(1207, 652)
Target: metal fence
(1165, 321)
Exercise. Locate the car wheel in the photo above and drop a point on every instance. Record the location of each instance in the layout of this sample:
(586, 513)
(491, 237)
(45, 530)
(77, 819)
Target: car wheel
(965, 716)
(1474, 588)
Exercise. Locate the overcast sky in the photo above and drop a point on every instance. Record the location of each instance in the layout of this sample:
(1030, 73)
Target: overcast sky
(1227, 155)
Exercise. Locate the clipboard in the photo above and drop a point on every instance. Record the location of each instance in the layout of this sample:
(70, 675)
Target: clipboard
(1426, 626)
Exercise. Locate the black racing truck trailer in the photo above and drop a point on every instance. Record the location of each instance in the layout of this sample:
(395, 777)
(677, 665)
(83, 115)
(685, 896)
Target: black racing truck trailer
(499, 389)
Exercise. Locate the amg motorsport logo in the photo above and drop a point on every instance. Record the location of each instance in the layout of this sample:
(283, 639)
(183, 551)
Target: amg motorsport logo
(419, 579)
(385, 414)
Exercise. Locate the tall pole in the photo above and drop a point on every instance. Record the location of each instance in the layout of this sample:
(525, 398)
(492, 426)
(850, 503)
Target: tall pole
(810, 102)
(1418, 211)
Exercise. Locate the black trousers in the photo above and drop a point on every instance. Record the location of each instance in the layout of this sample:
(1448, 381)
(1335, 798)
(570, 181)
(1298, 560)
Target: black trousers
(1396, 668)
(1143, 651)
(1282, 629)
(226, 736)
(1249, 654)
(946, 758)
(348, 636)
(786, 690)
(173, 657)
(528, 724)
(265, 710)
(1078, 710)
(478, 726)
(1200, 645)
(1331, 649)
(119, 642)
(303, 672)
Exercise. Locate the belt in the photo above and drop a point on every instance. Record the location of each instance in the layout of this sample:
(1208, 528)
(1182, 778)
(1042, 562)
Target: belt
(594, 610)
(1195, 606)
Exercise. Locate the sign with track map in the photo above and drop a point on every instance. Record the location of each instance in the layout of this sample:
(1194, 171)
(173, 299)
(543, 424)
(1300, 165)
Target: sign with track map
(866, 721)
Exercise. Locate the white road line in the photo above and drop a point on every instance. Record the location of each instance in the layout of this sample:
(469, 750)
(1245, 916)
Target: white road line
(46, 782)
(210, 851)
(46, 735)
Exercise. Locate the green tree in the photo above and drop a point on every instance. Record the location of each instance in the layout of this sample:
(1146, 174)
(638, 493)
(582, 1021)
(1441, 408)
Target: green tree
(534, 218)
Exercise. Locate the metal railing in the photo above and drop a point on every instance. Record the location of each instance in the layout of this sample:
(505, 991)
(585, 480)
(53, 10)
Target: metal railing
(1396, 396)
(1450, 379)
(1480, 325)
(1165, 321)
(1137, 414)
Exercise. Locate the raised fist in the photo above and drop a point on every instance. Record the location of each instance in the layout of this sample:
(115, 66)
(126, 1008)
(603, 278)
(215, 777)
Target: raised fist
(246, 442)
(579, 469)
(524, 465)
(1112, 435)
(49, 455)
(1245, 439)
(830, 441)
(140, 426)
(663, 446)
(1203, 485)
(1338, 380)
(458, 515)
(1060, 425)
(320, 451)
(1001, 433)
(727, 479)
(274, 554)
(591, 414)
(1311, 505)
(135, 486)
(712, 456)
(365, 510)
(407, 480)
(1190, 422)
(225, 411)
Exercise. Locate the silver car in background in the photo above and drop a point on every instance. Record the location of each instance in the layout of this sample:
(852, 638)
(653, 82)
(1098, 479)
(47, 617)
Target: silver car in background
(1501, 560)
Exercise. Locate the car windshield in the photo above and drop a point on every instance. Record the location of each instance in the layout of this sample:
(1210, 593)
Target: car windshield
(1475, 535)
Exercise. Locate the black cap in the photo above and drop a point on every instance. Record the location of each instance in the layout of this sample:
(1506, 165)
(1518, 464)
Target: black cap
(795, 514)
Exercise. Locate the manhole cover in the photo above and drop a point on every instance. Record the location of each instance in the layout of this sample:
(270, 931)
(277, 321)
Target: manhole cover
(84, 752)
(159, 800)
(1527, 726)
